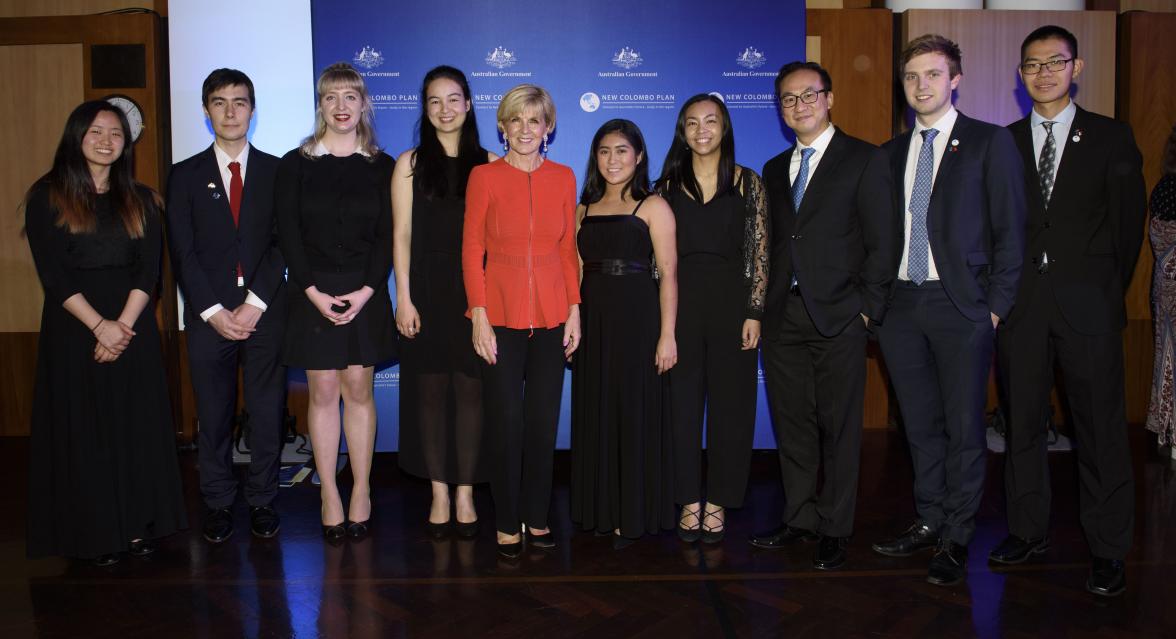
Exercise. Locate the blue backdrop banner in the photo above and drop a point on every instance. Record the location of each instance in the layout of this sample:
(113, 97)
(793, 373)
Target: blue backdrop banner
(600, 60)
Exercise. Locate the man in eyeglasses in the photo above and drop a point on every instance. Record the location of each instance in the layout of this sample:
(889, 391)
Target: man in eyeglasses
(1085, 194)
(834, 255)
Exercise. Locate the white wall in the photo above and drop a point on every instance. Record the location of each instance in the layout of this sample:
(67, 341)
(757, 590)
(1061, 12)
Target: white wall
(270, 41)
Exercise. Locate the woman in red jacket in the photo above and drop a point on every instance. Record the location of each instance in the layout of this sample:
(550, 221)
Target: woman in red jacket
(522, 281)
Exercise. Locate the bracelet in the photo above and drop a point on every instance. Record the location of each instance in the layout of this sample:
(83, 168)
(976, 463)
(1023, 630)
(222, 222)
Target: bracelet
(98, 324)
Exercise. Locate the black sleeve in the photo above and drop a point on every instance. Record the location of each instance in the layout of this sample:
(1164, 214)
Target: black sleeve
(288, 213)
(146, 273)
(880, 234)
(49, 244)
(1127, 200)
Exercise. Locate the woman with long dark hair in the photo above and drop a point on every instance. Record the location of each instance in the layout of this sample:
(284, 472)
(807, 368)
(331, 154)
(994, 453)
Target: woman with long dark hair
(103, 472)
(622, 476)
(522, 282)
(440, 380)
(722, 231)
(334, 215)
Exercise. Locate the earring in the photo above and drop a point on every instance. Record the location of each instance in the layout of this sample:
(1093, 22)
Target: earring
(544, 144)
(505, 145)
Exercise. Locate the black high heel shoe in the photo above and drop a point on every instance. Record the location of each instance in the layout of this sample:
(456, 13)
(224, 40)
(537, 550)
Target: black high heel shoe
(713, 534)
(358, 529)
(467, 530)
(438, 531)
(693, 533)
(511, 550)
(334, 533)
(142, 547)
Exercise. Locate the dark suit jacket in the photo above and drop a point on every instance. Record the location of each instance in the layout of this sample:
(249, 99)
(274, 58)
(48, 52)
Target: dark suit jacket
(976, 218)
(205, 245)
(1094, 225)
(843, 243)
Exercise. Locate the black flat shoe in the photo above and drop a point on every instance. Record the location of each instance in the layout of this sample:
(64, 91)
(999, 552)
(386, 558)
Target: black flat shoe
(334, 533)
(264, 522)
(142, 547)
(468, 529)
(542, 542)
(690, 534)
(218, 525)
(781, 536)
(830, 553)
(918, 537)
(104, 561)
(437, 531)
(949, 565)
(357, 529)
(1108, 577)
(512, 550)
(621, 542)
(1015, 550)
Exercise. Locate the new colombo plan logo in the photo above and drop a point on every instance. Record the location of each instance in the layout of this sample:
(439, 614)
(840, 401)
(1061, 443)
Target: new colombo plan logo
(500, 58)
(627, 58)
(589, 102)
(751, 58)
(368, 58)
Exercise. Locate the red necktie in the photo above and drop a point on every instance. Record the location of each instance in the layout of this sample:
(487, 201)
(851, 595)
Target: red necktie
(236, 187)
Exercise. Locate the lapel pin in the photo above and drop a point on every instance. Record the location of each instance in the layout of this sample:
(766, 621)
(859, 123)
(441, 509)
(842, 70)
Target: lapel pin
(955, 145)
(216, 195)
(1077, 136)
(212, 185)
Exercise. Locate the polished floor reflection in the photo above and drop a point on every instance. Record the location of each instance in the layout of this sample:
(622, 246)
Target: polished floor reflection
(398, 583)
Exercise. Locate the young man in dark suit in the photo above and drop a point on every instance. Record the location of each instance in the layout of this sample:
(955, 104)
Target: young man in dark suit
(834, 255)
(959, 185)
(1086, 201)
(224, 252)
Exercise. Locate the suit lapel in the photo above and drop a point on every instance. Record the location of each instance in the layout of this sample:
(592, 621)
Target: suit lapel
(898, 161)
(825, 168)
(958, 133)
(1023, 136)
(214, 185)
(1071, 158)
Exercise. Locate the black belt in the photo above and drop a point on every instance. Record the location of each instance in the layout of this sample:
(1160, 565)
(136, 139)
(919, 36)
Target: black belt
(616, 267)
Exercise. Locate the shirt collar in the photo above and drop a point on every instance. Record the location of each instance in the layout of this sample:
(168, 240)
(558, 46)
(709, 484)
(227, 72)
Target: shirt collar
(821, 143)
(1066, 117)
(320, 150)
(944, 124)
(223, 159)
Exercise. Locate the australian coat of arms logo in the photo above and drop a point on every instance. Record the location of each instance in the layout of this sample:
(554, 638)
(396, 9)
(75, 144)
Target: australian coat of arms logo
(500, 58)
(751, 58)
(368, 58)
(627, 58)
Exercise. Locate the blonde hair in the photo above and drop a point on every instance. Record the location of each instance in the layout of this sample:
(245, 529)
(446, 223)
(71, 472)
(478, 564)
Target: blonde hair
(343, 76)
(522, 97)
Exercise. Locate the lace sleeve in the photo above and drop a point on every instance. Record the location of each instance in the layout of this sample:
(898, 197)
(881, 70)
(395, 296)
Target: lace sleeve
(756, 238)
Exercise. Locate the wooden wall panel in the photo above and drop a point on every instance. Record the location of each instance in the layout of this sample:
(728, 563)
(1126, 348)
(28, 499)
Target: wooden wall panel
(991, 46)
(29, 8)
(856, 46)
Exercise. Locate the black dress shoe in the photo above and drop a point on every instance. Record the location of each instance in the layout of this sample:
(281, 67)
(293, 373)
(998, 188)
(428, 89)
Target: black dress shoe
(621, 542)
(781, 536)
(335, 533)
(218, 525)
(468, 529)
(949, 565)
(103, 561)
(357, 529)
(918, 537)
(264, 521)
(1015, 550)
(1108, 577)
(542, 542)
(437, 531)
(142, 547)
(830, 553)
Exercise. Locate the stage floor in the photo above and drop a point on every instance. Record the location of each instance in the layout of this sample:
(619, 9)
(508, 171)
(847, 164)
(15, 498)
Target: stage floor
(398, 583)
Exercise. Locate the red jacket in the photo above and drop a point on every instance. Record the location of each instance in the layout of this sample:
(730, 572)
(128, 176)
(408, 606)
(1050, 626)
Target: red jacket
(518, 253)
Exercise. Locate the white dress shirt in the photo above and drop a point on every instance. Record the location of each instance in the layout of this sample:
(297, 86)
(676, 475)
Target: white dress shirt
(818, 146)
(944, 125)
(222, 163)
(1061, 133)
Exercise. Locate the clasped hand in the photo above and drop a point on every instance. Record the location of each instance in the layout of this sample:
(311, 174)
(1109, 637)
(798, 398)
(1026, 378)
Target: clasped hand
(112, 337)
(339, 309)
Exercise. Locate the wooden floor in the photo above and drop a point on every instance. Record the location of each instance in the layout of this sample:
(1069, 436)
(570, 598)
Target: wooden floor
(400, 584)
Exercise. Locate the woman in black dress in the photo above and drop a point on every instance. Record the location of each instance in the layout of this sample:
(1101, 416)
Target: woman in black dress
(334, 215)
(103, 476)
(440, 377)
(722, 230)
(622, 480)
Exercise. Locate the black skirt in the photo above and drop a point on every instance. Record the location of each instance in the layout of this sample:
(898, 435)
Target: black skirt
(314, 343)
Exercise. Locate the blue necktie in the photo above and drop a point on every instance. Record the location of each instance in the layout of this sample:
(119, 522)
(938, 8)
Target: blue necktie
(801, 182)
(920, 199)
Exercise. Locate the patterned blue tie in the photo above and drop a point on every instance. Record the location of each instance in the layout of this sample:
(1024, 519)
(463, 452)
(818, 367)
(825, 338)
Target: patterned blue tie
(801, 178)
(920, 199)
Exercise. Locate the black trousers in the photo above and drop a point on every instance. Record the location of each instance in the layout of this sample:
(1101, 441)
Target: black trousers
(522, 392)
(213, 362)
(938, 361)
(1092, 368)
(816, 390)
(713, 375)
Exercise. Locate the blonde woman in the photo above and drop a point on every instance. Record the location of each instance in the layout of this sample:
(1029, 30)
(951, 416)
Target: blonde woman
(334, 215)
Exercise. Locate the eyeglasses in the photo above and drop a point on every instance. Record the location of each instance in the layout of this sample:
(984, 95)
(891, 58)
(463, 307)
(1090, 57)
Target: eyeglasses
(1033, 68)
(808, 97)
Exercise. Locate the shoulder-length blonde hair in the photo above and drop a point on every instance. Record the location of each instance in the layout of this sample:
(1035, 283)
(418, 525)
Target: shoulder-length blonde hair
(523, 97)
(343, 76)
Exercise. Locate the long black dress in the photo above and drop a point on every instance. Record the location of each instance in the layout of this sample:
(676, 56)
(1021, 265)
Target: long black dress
(102, 468)
(335, 229)
(622, 475)
(440, 377)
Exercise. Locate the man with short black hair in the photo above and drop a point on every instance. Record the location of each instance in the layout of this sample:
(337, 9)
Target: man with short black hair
(1086, 202)
(834, 255)
(224, 251)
